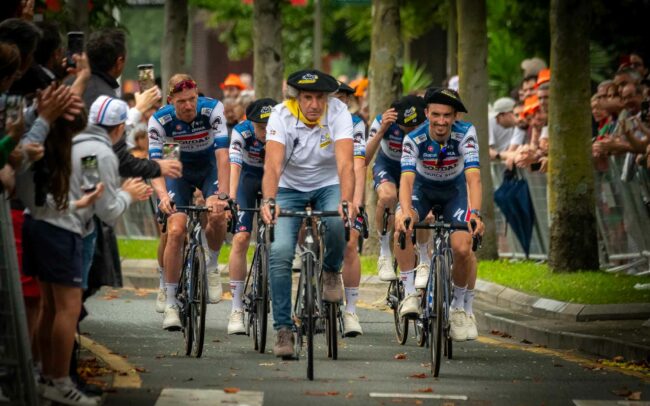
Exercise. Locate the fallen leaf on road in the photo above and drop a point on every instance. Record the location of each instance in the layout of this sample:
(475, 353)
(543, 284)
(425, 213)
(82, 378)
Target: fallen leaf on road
(400, 355)
(159, 356)
(189, 379)
(140, 369)
(349, 395)
(623, 392)
(231, 390)
(363, 377)
(618, 358)
(425, 365)
(634, 396)
(266, 364)
(216, 340)
(524, 341)
(110, 297)
(313, 393)
(142, 293)
(426, 390)
(418, 376)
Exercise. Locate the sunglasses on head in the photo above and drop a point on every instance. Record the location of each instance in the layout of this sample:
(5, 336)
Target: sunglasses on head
(183, 85)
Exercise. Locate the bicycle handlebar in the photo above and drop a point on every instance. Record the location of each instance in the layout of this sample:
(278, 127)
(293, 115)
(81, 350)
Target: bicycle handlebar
(476, 239)
(327, 213)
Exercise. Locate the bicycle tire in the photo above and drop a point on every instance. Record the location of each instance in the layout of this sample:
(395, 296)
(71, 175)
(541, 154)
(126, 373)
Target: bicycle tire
(330, 330)
(435, 325)
(262, 300)
(184, 310)
(396, 291)
(309, 310)
(447, 300)
(199, 301)
(420, 332)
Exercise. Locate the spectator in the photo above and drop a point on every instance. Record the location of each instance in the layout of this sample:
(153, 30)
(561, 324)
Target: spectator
(9, 64)
(634, 129)
(25, 36)
(504, 135)
(234, 113)
(247, 81)
(543, 85)
(232, 86)
(636, 62)
(527, 88)
(141, 149)
(532, 66)
(624, 76)
(129, 98)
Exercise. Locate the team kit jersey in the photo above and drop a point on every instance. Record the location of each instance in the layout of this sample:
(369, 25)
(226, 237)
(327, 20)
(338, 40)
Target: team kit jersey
(440, 169)
(247, 152)
(309, 161)
(387, 162)
(198, 141)
(359, 131)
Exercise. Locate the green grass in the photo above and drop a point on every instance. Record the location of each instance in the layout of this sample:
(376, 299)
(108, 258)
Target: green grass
(532, 278)
(587, 287)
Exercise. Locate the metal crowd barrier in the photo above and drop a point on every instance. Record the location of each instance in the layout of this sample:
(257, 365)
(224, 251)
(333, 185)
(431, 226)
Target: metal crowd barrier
(622, 214)
(17, 386)
(139, 221)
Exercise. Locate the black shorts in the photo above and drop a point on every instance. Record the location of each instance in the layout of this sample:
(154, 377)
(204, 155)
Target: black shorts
(52, 254)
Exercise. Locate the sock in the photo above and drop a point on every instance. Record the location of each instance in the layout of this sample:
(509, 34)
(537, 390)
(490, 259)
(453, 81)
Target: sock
(213, 257)
(424, 253)
(408, 279)
(64, 382)
(458, 302)
(469, 300)
(161, 274)
(170, 290)
(384, 248)
(237, 291)
(351, 296)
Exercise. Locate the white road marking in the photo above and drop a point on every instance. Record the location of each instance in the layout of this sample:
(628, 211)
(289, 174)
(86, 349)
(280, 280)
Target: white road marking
(205, 397)
(579, 402)
(417, 396)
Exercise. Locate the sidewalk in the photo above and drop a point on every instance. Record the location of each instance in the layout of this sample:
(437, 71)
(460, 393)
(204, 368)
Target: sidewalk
(602, 330)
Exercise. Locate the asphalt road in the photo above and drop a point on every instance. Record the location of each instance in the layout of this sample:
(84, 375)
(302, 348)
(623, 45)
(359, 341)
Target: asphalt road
(490, 371)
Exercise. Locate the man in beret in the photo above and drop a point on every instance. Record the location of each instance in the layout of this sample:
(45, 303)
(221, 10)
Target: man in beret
(309, 160)
(387, 133)
(440, 166)
(247, 153)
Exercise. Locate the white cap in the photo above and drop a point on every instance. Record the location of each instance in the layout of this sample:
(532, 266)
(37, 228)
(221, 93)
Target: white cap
(532, 66)
(453, 83)
(108, 111)
(503, 105)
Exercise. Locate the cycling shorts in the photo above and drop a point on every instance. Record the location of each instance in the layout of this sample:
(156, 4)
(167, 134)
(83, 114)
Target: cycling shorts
(250, 183)
(452, 198)
(196, 175)
(386, 170)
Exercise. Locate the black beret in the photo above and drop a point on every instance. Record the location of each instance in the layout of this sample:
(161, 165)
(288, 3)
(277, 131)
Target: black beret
(410, 111)
(313, 81)
(345, 88)
(441, 95)
(260, 110)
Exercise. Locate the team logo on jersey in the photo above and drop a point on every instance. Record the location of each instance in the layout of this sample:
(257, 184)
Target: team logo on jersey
(266, 111)
(154, 135)
(410, 114)
(430, 148)
(457, 136)
(395, 132)
(272, 132)
(246, 134)
(165, 119)
(420, 138)
(179, 127)
(325, 140)
(206, 111)
(236, 146)
(308, 78)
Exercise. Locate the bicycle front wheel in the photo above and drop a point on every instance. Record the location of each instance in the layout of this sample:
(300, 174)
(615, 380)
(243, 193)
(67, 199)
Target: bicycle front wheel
(330, 329)
(261, 299)
(198, 300)
(437, 311)
(308, 262)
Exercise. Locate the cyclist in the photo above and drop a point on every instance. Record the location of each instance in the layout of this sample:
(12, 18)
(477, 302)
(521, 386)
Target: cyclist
(351, 261)
(440, 165)
(246, 170)
(309, 159)
(198, 125)
(385, 138)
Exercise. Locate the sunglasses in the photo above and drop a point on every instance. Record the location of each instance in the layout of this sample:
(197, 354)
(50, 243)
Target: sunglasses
(183, 85)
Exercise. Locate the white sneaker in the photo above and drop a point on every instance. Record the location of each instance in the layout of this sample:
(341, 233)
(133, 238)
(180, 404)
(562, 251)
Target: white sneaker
(68, 394)
(296, 265)
(421, 276)
(214, 286)
(236, 322)
(410, 306)
(351, 326)
(161, 300)
(385, 269)
(472, 327)
(172, 320)
(458, 325)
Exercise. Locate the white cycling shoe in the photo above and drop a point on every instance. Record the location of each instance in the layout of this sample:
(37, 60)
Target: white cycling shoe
(351, 325)
(458, 325)
(421, 276)
(172, 320)
(161, 300)
(236, 323)
(385, 269)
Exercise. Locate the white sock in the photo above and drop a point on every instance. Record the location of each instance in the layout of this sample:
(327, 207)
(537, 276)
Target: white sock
(408, 279)
(213, 257)
(424, 253)
(384, 248)
(351, 296)
(458, 302)
(469, 300)
(237, 291)
(64, 382)
(161, 274)
(170, 291)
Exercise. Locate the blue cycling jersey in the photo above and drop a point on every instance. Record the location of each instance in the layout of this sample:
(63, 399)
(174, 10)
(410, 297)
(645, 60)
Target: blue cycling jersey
(359, 134)
(245, 149)
(390, 146)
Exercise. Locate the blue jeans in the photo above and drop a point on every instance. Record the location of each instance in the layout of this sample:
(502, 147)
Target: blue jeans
(283, 248)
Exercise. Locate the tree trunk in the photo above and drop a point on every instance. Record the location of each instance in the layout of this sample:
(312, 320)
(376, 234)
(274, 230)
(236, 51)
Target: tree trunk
(384, 74)
(472, 69)
(573, 243)
(174, 40)
(267, 42)
(452, 40)
(79, 15)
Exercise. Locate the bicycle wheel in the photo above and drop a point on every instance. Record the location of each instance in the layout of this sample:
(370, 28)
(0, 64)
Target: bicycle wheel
(420, 332)
(308, 263)
(332, 311)
(183, 296)
(446, 301)
(435, 324)
(396, 294)
(199, 301)
(261, 299)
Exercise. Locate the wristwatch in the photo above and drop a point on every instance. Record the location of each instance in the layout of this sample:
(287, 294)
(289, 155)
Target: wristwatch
(477, 213)
(223, 196)
(267, 201)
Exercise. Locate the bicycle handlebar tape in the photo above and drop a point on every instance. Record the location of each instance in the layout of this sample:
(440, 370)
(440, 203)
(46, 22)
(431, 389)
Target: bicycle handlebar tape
(475, 239)
(271, 226)
(402, 234)
(346, 222)
(232, 223)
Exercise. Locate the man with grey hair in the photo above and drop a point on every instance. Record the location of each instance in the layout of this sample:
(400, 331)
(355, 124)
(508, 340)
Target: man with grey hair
(504, 134)
(309, 160)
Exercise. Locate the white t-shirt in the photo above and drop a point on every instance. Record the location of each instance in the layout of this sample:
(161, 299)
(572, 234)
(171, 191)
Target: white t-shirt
(500, 137)
(309, 159)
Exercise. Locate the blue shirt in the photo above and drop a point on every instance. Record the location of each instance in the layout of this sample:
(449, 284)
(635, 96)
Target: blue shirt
(245, 149)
